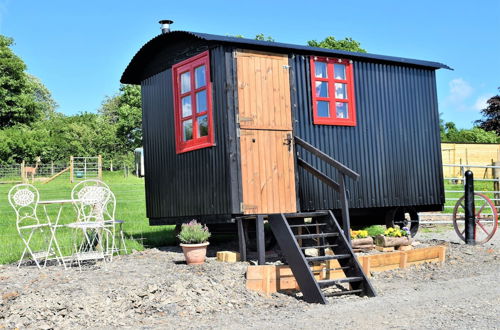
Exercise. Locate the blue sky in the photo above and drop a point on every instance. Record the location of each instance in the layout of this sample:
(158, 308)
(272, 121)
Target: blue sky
(80, 48)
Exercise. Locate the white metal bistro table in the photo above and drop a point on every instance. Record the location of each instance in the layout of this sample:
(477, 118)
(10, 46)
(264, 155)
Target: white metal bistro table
(53, 226)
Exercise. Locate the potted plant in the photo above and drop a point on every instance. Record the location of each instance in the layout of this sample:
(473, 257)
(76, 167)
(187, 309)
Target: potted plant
(194, 241)
(394, 236)
(361, 240)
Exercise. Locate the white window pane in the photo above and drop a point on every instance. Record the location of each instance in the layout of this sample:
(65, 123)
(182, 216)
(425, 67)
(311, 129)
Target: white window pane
(340, 91)
(339, 71)
(321, 89)
(185, 82)
(320, 70)
(323, 108)
(200, 77)
(201, 101)
(187, 130)
(186, 106)
(342, 110)
(203, 126)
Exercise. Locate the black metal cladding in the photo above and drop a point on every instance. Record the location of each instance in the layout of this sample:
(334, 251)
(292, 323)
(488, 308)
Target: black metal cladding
(192, 183)
(395, 145)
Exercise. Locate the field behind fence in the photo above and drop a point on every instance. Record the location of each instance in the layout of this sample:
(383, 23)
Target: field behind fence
(130, 197)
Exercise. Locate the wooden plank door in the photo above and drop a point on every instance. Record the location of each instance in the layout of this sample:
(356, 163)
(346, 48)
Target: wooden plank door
(265, 121)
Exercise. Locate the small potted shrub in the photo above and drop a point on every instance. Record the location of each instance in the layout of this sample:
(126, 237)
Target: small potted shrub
(394, 237)
(361, 240)
(194, 241)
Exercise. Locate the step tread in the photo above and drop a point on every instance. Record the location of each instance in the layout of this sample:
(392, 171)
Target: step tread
(305, 214)
(324, 283)
(319, 246)
(340, 293)
(308, 225)
(317, 235)
(329, 257)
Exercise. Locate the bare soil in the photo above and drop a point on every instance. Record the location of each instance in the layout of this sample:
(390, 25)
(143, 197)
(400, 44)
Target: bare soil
(155, 289)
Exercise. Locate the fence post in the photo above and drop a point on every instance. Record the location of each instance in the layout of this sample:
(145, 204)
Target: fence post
(71, 168)
(496, 184)
(99, 167)
(52, 168)
(111, 166)
(23, 172)
(470, 217)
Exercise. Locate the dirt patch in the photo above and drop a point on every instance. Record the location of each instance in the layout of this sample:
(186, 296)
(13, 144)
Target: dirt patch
(155, 288)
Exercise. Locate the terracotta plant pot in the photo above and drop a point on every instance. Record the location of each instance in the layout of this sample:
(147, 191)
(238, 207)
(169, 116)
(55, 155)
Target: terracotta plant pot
(195, 254)
(386, 241)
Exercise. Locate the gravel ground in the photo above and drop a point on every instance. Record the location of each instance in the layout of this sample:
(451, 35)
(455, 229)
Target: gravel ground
(155, 289)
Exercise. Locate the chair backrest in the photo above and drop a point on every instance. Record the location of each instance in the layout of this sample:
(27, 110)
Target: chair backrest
(91, 198)
(24, 200)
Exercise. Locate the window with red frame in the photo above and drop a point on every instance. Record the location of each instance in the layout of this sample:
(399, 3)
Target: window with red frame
(193, 103)
(333, 91)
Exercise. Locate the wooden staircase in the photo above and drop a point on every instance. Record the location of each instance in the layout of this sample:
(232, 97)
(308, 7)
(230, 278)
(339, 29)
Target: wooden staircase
(321, 231)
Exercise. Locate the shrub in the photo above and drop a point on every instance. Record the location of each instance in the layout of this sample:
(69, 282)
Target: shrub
(375, 230)
(193, 233)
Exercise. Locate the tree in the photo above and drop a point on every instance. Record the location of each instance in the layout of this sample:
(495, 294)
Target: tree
(491, 122)
(23, 98)
(124, 111)
(331, 43)
(450, 133)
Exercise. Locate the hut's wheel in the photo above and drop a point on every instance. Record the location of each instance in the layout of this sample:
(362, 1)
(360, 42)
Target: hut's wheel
(486, 218)
(403, 217)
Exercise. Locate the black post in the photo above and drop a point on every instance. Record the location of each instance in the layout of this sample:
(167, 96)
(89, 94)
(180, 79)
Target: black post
(241, 239)
(261, 247)
(346, 223)
(470, 218)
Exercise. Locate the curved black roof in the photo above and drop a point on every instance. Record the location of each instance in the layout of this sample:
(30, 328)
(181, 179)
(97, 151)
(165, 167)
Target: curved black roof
(132, 74)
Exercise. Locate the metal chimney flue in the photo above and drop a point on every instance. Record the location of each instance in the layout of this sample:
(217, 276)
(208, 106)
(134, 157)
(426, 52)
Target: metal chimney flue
(165, 25)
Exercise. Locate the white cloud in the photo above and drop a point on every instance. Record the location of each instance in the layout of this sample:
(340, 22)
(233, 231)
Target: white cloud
(481, 102)
(460, 90)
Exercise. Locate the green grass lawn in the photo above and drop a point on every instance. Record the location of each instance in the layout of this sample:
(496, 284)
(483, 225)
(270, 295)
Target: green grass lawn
(130, 207)
(478, 186)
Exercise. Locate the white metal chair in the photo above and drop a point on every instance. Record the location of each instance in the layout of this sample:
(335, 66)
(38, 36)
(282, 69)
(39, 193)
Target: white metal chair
(110, 221)
(24, 200)
(90, 199)
(97, 201)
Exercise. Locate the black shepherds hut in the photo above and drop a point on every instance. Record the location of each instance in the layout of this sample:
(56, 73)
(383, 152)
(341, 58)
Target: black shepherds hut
(237, 128)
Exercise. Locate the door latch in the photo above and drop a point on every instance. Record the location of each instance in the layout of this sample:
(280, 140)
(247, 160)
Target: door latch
(288, 141)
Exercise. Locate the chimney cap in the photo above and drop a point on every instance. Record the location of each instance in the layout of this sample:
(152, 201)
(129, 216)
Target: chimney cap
(165, 21)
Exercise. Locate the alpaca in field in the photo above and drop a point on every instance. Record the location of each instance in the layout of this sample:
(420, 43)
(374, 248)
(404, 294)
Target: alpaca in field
(31, 170)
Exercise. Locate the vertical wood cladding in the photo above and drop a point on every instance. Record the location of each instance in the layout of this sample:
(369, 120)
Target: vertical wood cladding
(193, 183)
(395, 145)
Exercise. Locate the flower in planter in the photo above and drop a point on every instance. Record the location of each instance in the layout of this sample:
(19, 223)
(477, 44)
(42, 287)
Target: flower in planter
(358, 234)
(396, 232)
(193, 233)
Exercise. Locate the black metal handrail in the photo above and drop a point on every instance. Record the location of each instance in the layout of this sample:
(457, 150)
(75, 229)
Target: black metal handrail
(338, 186)
(320, 154)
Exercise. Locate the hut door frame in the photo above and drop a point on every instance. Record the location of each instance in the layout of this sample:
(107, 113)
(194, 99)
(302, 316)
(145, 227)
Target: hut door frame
(266, 133)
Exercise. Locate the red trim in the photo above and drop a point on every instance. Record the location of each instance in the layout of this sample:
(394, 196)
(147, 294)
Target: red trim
(196, 142)
(349, 81)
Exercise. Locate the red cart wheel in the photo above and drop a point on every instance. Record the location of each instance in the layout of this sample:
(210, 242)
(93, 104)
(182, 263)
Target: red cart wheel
(486, 218)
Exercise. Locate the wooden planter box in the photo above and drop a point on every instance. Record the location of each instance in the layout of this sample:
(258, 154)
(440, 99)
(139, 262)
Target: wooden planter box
(269, 278)
(392, 241)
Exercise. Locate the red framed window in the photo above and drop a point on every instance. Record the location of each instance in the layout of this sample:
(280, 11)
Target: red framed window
(333, 91)
(193, 103)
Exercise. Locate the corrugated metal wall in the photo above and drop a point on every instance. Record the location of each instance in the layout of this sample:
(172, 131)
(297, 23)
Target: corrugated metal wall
(395, 145)
(192, 183)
